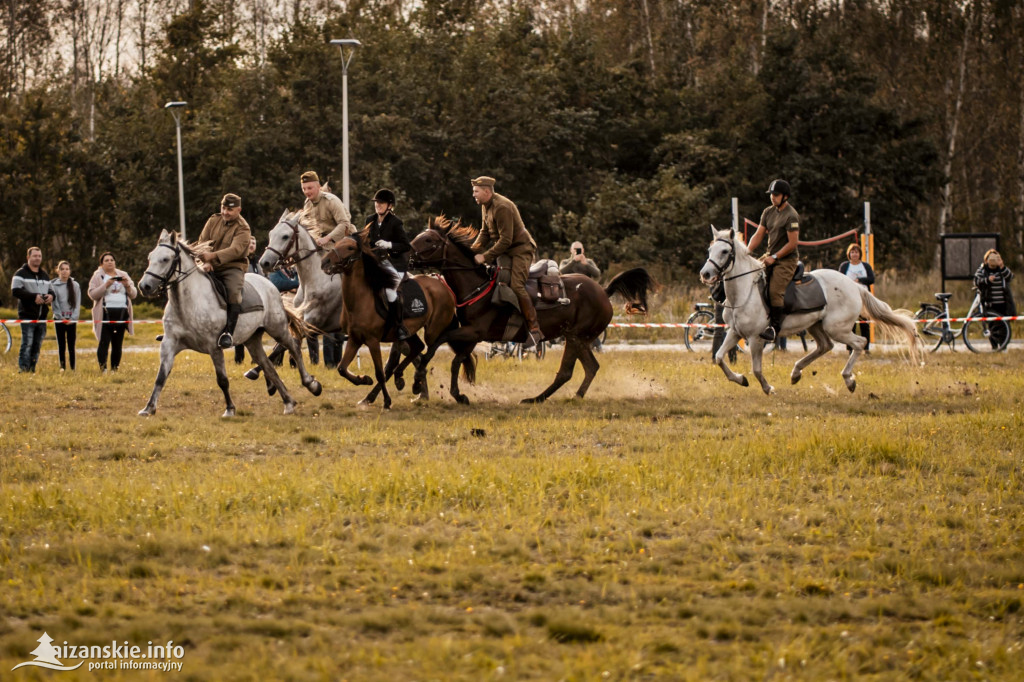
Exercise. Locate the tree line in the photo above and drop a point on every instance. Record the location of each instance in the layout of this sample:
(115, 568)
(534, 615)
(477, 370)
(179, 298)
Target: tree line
(627, 125)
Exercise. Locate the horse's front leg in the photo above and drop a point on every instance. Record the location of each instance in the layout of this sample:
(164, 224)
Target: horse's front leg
(730, 341)
(351, 348)
(168, 349)
(378, 370)
(413, 347)
(756, 356)
(276, 356)
(217, 355)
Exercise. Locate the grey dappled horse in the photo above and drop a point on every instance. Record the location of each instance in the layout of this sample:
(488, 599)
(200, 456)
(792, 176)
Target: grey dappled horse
(746, 312)
(193, 319)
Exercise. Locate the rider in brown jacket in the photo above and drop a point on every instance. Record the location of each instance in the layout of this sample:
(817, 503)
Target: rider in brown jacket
(503, 232)
(229, 236)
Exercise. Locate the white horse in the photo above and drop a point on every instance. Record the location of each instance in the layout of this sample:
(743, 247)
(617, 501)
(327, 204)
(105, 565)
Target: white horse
(193, 319)
(318, 299)
(746, 312)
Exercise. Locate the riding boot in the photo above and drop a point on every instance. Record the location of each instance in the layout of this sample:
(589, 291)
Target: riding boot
(530, 313)
(775, 317)
(401, 333)
(226, 341)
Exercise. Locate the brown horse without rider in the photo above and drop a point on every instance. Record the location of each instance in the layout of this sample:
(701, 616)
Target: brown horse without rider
(446, 246)
(361, 279)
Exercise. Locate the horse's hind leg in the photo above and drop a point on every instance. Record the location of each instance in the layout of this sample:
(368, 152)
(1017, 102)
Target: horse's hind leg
(378, 370)
(255, 346)
(167, 353)
(857, 343)
(276, 355)
(463, 351)
(217, 355)
(822, 345)
(572, 352)
(413, 347)
(590, 367)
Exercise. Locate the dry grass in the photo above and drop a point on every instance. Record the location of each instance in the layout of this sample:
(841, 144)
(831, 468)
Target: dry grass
(672, 525)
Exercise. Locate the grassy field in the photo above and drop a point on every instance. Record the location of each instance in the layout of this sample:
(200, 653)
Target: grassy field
(670, 526)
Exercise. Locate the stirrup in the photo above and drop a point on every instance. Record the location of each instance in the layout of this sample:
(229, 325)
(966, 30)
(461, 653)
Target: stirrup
(225, 341)
(768, 334)
(401, 333)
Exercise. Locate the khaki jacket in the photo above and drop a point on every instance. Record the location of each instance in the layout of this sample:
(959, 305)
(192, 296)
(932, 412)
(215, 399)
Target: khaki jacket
(503, 230)
(230, 242)
(331, 216)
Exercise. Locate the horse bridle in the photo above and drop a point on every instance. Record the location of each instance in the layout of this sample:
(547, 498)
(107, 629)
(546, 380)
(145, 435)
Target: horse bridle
(174, 275)
(344, 264)
(443, 265)
(472, 297)
(284, 259)
(722, 269)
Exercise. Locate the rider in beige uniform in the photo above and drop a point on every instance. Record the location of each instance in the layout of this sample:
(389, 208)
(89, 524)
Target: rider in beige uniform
(781, 223)
(330, 213)
(229, 234)
(503, 232)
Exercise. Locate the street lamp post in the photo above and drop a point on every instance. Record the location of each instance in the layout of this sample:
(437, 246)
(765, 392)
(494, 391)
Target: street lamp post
(352, 44)
(174, 109)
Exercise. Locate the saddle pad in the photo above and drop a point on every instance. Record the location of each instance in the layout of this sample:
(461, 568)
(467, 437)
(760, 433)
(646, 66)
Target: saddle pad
(414, 302)
(804, 296)
(251, 300)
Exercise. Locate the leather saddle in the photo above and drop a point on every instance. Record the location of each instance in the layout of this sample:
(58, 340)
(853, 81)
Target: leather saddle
(251, 300)
(410, 293)
(803, 293)
(543, 284)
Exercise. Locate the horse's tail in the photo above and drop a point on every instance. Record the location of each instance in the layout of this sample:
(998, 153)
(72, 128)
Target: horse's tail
(893, 325)
(633, 285)
(297, 327)
(469, 368)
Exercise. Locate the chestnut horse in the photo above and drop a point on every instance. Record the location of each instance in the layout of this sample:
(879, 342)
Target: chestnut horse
(361, 279)
(446, 247)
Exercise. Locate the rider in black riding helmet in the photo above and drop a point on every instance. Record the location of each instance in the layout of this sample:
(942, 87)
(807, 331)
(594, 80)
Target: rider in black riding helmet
(781, 223)
(389, 242)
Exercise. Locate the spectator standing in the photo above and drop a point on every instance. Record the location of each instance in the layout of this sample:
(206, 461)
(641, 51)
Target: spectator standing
(993, 282)
(67, 307)
(861, 273)
(578, 264)
(112, 290)
(31, 286)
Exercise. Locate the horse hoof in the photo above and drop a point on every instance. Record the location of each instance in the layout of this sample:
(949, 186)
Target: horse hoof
(744, 382)
(461, 399)
(417, 387)
(531, 401)
(421, 399)
(230, 412)
(852, 386)
(365, 381)
(146, 411)
(289, 408)
(387, 405)
(253, 374)
(768, 390)
(315, 388)
(795, 378)
(271, 389)
(399, 383)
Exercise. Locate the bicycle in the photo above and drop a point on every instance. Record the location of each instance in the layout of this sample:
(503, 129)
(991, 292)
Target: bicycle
(511, 349)
(980, 336)
(5, 337)
(699, 338)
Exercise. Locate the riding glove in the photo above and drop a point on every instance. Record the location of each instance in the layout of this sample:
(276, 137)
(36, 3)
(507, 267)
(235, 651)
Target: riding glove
(381, 244)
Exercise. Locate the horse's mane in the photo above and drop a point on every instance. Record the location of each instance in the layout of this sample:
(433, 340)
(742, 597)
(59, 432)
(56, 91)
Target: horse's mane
(461, 235)
(375, 275)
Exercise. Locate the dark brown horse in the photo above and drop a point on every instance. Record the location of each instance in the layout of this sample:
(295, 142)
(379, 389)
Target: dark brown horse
(361, 279)
(446, 246)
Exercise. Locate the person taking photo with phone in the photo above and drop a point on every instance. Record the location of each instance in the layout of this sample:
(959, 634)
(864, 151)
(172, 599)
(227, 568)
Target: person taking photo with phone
(113, 291)
(578, 264)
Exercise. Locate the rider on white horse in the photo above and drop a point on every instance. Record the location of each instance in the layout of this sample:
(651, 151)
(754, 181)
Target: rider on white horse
(390, 243)
(781, 223)
(229, 234)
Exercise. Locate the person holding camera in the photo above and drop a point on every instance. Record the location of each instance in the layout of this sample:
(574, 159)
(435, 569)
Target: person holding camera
(31, 286)
(579, 264)
(113, 291)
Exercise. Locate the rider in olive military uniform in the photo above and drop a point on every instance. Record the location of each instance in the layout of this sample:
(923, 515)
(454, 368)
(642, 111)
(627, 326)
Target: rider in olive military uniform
(503, 232)
(229, 236)
(781, 223)
(330, 213)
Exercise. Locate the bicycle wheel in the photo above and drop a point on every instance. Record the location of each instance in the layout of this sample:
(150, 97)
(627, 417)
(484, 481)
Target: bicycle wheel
(699, 339)
(5, 337)
(932, 328)
(982, 336)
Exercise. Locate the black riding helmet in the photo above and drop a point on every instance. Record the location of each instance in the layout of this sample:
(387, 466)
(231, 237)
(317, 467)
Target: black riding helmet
(385, 196)
(779, 187)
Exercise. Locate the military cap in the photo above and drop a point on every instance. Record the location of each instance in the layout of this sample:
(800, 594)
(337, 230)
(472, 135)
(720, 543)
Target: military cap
(309, 176)
(483, 181)
(231, 201)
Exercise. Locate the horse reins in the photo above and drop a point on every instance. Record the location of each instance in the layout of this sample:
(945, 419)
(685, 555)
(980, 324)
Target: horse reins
(175, 275)
(285, 260)
(728, 264)
(475, 295)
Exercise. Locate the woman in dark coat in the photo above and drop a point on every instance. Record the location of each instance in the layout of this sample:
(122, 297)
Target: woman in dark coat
(389, 242)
